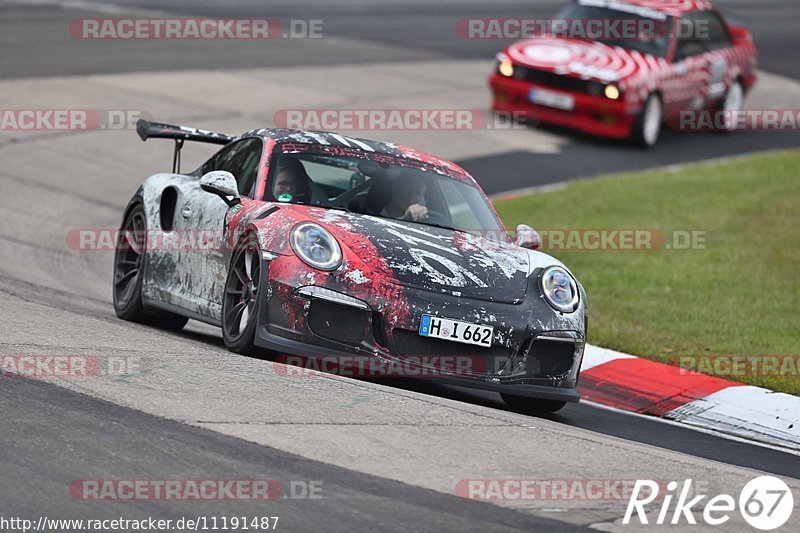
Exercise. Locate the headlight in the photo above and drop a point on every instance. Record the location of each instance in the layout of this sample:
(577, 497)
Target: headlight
(559, 289)
(612, 92)
(505, 67)
(316, 246)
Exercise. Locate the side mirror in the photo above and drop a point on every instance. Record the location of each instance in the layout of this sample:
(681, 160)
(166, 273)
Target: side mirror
(223, 184)
(527, 237)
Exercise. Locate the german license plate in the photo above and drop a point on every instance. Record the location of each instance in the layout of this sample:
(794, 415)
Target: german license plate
(552, 99)
(456, 331)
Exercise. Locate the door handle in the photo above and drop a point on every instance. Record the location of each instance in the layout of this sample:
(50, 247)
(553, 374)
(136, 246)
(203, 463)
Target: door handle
(186, 212)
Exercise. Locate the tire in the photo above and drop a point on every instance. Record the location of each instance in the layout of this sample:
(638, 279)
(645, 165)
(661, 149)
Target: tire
(240, 303)
(129, 261)
(526, 405)
(647, 126)
(732, 102)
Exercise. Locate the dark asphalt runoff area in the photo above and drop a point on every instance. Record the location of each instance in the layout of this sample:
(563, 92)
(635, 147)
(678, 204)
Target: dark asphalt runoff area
(642, 429)
(416, 28)
(52, 437)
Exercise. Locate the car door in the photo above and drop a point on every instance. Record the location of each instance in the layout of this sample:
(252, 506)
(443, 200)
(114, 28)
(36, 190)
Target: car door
(686, 87)
(719, 56)
(203, 216)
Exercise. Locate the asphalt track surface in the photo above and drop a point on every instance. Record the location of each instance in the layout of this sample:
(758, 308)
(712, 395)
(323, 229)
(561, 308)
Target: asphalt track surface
(110, 437)
(36, 43)
(52, 436)
(415, 28)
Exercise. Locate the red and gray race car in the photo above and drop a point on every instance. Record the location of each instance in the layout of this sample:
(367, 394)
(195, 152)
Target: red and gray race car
(315, 244)
(646, 62)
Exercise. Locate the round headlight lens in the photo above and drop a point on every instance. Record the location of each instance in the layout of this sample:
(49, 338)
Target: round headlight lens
(316, 246)
(559, 289)
(612, 92)
(506, 67)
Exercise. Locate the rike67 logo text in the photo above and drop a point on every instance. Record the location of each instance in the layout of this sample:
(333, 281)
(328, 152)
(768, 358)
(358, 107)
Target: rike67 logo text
(766, 503)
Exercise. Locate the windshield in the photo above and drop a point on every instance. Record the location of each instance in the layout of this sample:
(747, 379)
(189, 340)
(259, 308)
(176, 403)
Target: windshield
(383, 186)
(639, 28)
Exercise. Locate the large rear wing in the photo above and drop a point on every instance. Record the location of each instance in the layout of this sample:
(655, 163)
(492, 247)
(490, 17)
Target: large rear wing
(155, 130)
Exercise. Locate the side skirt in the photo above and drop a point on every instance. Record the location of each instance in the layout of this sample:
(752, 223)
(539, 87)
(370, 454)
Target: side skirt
(172, 308)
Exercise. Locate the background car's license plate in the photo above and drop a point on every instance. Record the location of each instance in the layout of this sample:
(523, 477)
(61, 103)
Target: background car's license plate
(455, 330)
(552, 99)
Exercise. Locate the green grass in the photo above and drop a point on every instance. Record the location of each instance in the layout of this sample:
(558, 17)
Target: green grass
(738, 296)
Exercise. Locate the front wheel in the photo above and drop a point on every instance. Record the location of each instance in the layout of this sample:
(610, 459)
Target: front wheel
(240, 302)
(526, 405)
(647, 127)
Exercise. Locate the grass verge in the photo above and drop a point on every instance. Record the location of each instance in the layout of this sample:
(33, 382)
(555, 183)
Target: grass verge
(737, 294)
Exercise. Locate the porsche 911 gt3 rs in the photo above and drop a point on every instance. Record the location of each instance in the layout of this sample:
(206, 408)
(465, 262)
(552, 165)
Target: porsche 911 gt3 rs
(317, 244)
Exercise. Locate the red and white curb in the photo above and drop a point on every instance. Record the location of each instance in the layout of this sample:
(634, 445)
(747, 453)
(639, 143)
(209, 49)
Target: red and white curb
(651, 388)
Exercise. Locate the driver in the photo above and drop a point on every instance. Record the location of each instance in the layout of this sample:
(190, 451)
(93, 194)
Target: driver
(290, 179)
(407, 196)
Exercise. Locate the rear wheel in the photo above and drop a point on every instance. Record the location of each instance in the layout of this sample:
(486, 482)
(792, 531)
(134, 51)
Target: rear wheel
(240, 303)
(524, 404)
(129, 260)
(647, 127)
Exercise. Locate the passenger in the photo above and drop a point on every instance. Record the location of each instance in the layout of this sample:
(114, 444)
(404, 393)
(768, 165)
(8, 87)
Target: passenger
(406, 200)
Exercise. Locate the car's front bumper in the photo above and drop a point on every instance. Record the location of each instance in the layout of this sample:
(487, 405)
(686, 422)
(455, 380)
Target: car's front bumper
(595, 115)
(518, 386)
(536, 352)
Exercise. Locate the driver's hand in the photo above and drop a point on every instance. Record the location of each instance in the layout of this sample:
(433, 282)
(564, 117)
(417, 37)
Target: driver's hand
(416, 212)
